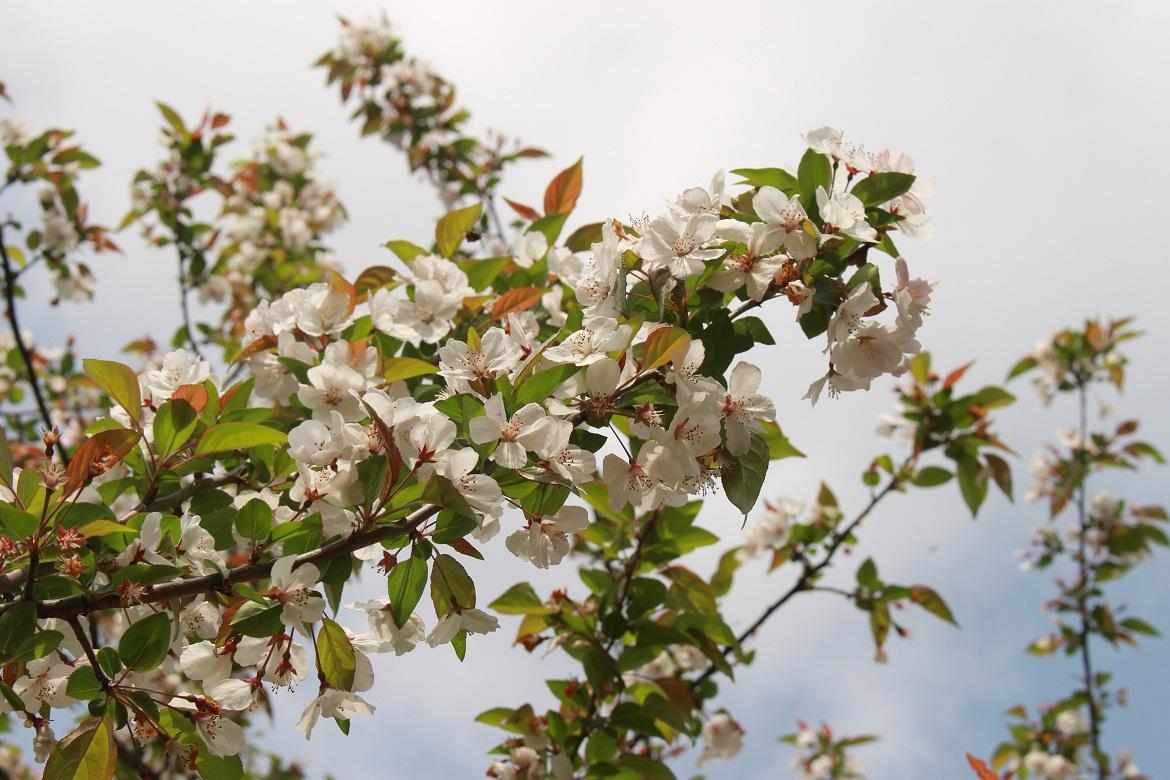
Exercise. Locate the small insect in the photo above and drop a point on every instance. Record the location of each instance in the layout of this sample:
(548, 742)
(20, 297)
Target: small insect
(474, 235)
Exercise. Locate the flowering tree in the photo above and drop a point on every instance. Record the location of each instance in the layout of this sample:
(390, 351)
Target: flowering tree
(1105, 538)
(180, 542)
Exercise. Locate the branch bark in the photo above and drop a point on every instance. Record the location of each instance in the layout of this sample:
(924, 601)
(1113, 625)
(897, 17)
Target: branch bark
(72, 606)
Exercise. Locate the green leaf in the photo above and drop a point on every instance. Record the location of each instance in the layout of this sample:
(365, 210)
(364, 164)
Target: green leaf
(1139, 626)
(440, 492)
(550, 226)
(992, 397)
(87, 753)
(405, 585)
(401, 368)
(1001, 472)
(815, 171)
(663, 346)
(259, 620)
(173, 425)
(119, 381)
(482, 272)
(769, 177)
(230, 436)
(779, 447)
(335, 655)
(144, 645)
(879, 188)
(83, 684)
(5, 460)
(451, 229)
(743, 476)
(18, 623)
(173, 119)
(538, 386)
(972, 482)
(1022, 367)
(931, 476)
(17, 523)
(929, 600)
(254, 520)
(867, 575)
(584, 237)
(405, 249)
(520, 599)
(451, 585)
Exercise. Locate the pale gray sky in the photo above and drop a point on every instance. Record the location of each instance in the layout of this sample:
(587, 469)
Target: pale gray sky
(1040, 124)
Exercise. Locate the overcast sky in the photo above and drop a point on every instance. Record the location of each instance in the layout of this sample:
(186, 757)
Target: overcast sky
(1041, 125)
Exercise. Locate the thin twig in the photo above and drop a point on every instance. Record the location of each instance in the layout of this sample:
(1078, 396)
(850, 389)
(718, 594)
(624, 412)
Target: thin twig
(1083, 586)
(807, 577)
(25, 353)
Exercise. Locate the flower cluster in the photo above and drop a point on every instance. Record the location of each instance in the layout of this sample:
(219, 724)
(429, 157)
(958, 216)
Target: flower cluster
(404, 101)
(821, 755)
(267, 240)
(41, 386)
(1091, 541)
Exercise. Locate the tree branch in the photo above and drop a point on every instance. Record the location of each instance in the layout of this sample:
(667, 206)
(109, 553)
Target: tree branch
(807, 576)
(184, 290)
(1084, 573)
(25, 353)
(72, 606)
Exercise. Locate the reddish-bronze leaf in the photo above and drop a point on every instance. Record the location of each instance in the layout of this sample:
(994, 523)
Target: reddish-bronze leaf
(956, 375)
(981, 770)
(196, 395)
(374, 278)
(259, 345)
(516, 301)
(562, 193)
(97, 455)
(526, 212)
(467, 548)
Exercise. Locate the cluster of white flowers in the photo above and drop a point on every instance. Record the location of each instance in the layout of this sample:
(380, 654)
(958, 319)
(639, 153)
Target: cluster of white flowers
(411, 106)
(278, 203)
(722, 738)
(813, 762)
(772, 528)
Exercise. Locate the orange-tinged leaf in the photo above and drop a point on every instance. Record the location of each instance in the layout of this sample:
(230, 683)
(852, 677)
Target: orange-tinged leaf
(516, 301)
(467, 548)
(338, 283)
(526, 212)
(563, 191)
(956, 375)
(196, 395)
(664, 345)
(981, 770)
(375, 278)
(97, 454)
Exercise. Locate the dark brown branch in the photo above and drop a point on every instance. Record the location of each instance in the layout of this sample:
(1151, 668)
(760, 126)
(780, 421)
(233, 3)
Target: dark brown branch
(12, 580)
(25, 353)
(172, 500)
(72, 606)
(807, 577)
